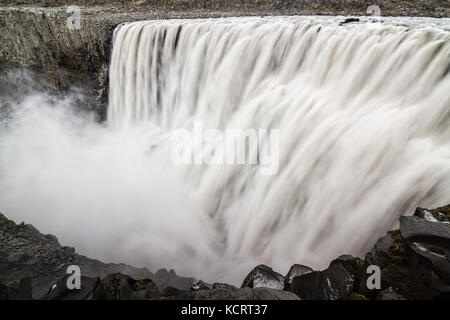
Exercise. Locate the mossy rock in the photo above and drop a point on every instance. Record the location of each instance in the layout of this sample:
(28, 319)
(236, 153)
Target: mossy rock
(5, 223)
(442, 213)
(397, 250)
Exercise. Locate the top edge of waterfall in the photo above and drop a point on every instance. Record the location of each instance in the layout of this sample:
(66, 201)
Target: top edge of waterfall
(439, 23)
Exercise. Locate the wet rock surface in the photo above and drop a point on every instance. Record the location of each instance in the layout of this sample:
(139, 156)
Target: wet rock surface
(413, 261)
(296, 270)
(263, 276)
(334, 283)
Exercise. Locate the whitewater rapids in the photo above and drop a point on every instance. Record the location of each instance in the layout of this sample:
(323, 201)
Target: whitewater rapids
(363, 114)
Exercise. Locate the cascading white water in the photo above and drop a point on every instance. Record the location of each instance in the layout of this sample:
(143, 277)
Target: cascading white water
(363, 113)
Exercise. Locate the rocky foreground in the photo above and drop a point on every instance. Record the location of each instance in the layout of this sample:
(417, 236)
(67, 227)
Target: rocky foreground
(414, 262)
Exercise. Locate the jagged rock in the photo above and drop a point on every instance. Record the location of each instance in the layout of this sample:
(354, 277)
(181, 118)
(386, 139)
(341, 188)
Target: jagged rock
(425, 214)
(403, 270)
(353, 264)
(164, 278)
(121, 287)
(200, 285)
(25, 252)
(380, 254)
(16, 290)
(430, 240)
(59, 291)
(296, 270)
(442, 214)
(144, 289)
(171, 292)
(223, 286)
(334, 283)
(264, 276)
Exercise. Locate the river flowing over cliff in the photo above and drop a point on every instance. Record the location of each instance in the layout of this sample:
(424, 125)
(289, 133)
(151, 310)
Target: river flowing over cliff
(362, 115)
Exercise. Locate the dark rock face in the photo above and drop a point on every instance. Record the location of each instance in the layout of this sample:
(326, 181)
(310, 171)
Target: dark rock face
(26, 253)
(263, 276)
(414, 260)
(223, 286)
(414, 263)
(200, 285)
(334, 283)
(120, 287)
(171, 292)
(16, 290)
(296, 270)
(164, 278)
(400, 269)
(429, 240)
(59, 291)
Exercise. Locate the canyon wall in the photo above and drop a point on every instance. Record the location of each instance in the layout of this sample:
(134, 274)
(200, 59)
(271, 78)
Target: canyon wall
(35, 34)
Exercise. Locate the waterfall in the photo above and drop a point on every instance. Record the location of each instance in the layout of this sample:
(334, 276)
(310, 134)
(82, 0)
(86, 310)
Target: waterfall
(360, 113)
(363, 112)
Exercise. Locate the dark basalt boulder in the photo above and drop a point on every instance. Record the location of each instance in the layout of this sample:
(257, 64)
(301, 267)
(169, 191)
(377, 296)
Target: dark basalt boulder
(352, 264)
(349, 20)
(334, 283)
(223, 286)
(164, 278)
(16, 290)
(201, 285)
(264, 276)
(171, 292)
(407, 273)
(121, 287)
(429, 239)
(425, 214)
(59, 291)
(296, 270)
